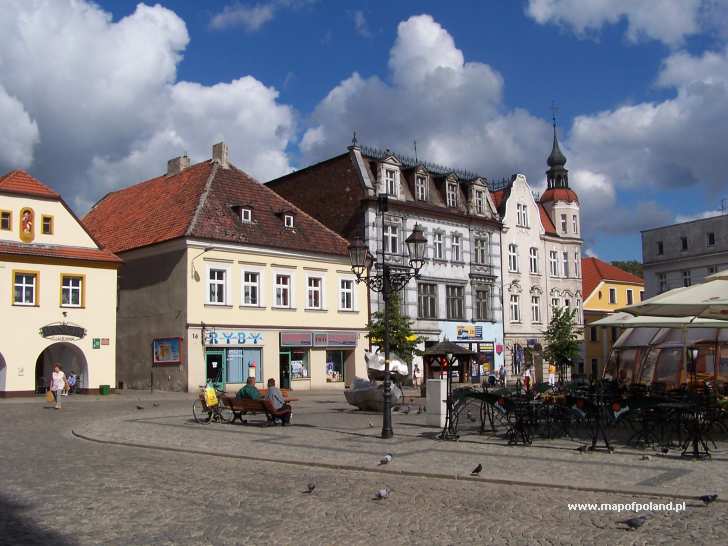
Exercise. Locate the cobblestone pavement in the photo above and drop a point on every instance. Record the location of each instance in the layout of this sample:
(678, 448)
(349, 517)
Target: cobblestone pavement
(59, 489)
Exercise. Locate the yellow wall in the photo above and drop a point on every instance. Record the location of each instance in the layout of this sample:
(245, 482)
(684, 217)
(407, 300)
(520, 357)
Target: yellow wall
(596, 303)
(266, 319)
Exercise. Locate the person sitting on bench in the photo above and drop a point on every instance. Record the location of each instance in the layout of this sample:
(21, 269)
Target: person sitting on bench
(249, 390)
(275, 397)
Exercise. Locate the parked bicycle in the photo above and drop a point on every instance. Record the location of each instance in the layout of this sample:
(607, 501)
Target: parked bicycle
(210, 406)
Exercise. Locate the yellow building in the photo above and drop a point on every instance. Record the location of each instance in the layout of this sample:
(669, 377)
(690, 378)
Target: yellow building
(58, 286)
(224, 279)
(605, 288)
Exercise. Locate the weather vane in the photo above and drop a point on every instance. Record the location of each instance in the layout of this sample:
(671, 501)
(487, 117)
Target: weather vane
(554, 111)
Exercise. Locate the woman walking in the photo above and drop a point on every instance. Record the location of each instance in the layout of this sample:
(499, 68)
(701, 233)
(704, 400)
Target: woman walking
(58, 384)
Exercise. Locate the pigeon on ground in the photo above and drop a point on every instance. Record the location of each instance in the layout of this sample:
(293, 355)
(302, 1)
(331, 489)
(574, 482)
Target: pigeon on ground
(707, 499)
(635, 523)
(665, 450)
(645, 458)
(310, 487)
(140, 407)
(156, 404)
(371, 425)
(386, 459)
(582, 449)
(476, 470)
(382, 494)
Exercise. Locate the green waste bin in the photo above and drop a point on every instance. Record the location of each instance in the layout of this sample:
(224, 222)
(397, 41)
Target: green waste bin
(104, 389)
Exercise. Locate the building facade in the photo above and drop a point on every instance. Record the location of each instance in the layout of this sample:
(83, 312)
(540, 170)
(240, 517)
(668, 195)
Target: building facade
(458, 294)
(606, 288)
(224, 279)
(59, 292)
(541, 255)
(684, 254)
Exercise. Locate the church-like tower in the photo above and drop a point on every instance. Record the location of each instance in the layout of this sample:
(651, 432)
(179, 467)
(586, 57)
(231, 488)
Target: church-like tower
(559, 200)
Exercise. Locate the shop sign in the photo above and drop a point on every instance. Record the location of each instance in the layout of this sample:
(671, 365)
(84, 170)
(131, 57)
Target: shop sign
(488, 346)
(62, 332)
(166, 350)
(96, 343)
(296, 339)
(467, 332)
(225, 338)
(335, 339)
(104, 341)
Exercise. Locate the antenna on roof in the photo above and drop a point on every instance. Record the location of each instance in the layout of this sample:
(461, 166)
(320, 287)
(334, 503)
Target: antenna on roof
(354, 141)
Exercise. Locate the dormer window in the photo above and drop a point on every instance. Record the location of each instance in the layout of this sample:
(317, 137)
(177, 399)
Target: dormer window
(246, 215)
(452, 194)
(479, 202)
(421, 187)
(390, 182)
(288, 220)
(521, 215)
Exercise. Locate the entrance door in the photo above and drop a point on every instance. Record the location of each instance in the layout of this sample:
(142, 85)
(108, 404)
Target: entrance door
(285, 367)
(214, 365)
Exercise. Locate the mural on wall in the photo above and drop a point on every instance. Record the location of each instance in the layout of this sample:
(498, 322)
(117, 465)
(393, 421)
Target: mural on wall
(27, 225)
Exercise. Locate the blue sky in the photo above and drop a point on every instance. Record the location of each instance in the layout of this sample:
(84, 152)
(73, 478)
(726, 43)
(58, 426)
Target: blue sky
(642, 93)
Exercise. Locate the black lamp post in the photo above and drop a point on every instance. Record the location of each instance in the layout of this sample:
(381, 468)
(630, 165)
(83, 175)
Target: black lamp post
(693, 364)
(390, 280)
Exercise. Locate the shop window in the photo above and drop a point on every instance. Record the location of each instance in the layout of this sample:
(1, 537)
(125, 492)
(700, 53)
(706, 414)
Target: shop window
(335, 365)
(25, 288)
(72, 291)
(299, 365)
(238, 362)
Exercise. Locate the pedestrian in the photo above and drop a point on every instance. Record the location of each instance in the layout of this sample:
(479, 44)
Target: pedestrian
(58, 384)
(416, 374)
(527, 378)
(72, 379)
(552, 374)
(502, 375)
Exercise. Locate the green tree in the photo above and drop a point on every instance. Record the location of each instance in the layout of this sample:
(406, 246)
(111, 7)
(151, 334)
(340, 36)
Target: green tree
(402, 340)
(562, 346)
(630, 266)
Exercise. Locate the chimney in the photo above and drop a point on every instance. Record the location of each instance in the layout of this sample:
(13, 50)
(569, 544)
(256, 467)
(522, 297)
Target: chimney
(177, 164)
(221, 154)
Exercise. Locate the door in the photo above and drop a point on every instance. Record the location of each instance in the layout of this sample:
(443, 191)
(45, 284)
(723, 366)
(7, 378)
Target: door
(215, 368)
(285, 367)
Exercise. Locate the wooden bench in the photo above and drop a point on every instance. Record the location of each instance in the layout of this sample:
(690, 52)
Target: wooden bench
(242, 406)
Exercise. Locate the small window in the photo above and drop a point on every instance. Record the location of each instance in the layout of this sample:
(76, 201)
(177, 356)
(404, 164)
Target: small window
(660, 248)
(566, 264)
(251, 288)
(346, 295)
(314, 293)
(683, 243)
(479, 201)
(6, 220)
(288, 220)
(513, 258)
(452, 194)
(593, 334)
(515, 308)
(46, 225)
(630, 297)
(483, 304)
(421, 188)
(710, 239)
(711, 269)
(575, 223)
(521, 215)
(535, 309)
(662, 282)
(533, 260)
(25, 288)
(71, 291)
(438, 245)
(642, 295)
(555, 302)
(390, 181)
(564, 224)
(612, 295)
(246, 215)
(391, 239)
(427, 300)
(554, 263)
(456, 248)
(283, 290)
(577, 263)
(455, 302)
(481, 252)
(686, 278)
(216, 286)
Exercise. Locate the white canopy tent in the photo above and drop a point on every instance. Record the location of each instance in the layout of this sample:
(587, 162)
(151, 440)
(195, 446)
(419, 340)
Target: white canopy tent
(625, 320)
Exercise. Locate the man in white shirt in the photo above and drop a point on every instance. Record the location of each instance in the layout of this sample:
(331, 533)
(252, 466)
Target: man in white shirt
(58, 384)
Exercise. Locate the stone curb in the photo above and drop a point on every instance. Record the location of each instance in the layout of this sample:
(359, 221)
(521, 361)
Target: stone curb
(408, 473)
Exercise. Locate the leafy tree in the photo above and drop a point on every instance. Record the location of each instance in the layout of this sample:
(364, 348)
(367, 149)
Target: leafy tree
(562, 346)
(630, 266)
(402, 339)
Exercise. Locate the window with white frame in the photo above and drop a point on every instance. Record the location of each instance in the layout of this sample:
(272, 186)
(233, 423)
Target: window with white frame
(346, 295)
(390, 182)
(391, 239)
(521, 215)
(555, 302)
(246, 215)
(282, 290)
(421, 187)
(483, 303)
(481, 251)
(438, 246)
(71, 291)
(314, 293)
(612, 295)
(577, 305)
(554, 263)
(536, 308)
(251, 288)
(452, 194)
(217, 285)
(455, 248)
(662, 282)
(479, 201)
(533, 260)
(630, 296)
(575, 223)
(566, 264)
(25, 288)
(564, 224)
(455, 302)
(288, 220)
(577, 263)
(686, 278)
(515, 308)
(513, 258)
(567, 303)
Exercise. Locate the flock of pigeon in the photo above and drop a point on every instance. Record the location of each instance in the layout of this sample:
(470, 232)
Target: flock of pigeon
(638, 521)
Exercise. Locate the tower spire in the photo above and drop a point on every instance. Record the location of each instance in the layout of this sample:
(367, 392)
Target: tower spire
(557, 176)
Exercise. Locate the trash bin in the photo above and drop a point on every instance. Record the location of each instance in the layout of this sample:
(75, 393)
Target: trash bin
(104, 389)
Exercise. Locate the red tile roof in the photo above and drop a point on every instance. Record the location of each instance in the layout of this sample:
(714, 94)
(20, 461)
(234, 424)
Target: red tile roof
(594, 270)
(559, 194)
(548, 225)
(53, 251)
(200, 202)
(20, 182)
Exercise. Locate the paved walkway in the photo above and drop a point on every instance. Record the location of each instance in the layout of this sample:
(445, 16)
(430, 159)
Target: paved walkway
(59, 489)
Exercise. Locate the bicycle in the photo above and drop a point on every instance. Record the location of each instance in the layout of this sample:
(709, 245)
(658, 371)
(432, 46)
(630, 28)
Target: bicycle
(204, 414)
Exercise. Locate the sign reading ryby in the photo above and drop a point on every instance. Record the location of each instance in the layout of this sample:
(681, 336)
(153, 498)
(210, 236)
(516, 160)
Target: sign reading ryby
(232, 338)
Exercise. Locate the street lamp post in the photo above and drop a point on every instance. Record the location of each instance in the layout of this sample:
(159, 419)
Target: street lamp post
(390, 280)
